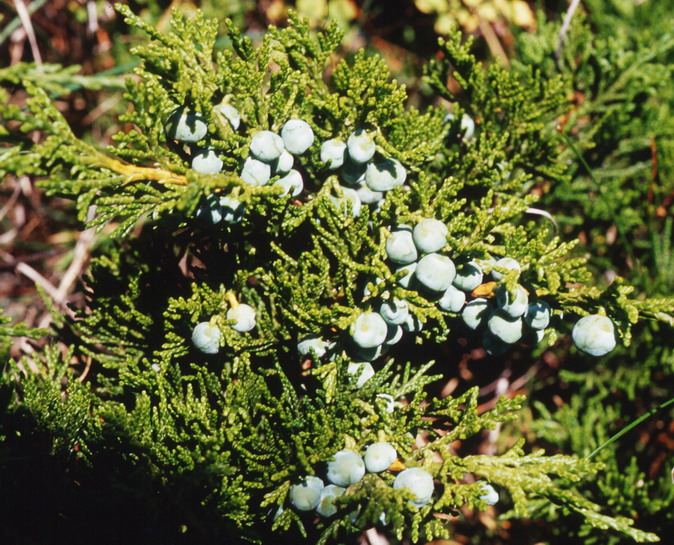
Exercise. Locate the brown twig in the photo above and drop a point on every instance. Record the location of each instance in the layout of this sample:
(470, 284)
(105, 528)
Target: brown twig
(563, 31)
(27, 24)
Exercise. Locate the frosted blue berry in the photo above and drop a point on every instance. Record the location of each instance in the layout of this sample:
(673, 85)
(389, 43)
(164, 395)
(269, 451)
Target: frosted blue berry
(379, 457)
(297, 136)
(353, 173)
(243, 316)
(594, 335)
(348, 197)
(366, 195)
(505, 327)
(412, 324)
(326, 502)
(233, 209)
(507, 263)
(255, 172)
(512, 306)
(452, 300)
(476, 313)
(395, 333)
(313, 345)
(400, 247)
(206, 162)
(206, 338)
(266, 146)
(385, 175)
(306, 495)
(419, 482)
(369, 354)
(467, 126)
(291, 183)
(345, 468)
(490, 496)
(284, 163)
(332, 153)
(390, 402)
(538, 315)
(363, 371)
(468, 276)
(394, 312)
(360, 146)
(211, 211)
(430, 235)
(185, 126)
(230, 113)
(435, 271)
(369, 330)
(406, 279)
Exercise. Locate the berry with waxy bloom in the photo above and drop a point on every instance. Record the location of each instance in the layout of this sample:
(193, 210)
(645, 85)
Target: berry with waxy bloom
(206, 338)
(468, 276)
(255, 172)
(452, 300)
(284, 163)
(233, 209)
(505, 327)
(206, 162)
(297, 136)
(326, 502)
(476, 313)
(385, 175)
(490, 495)
(243, 316)
(400, 247)
(185, 126)
(435, 272)
(379, 457)
(363, 372)
(266, 146)
(345, 468)
(594, 335)
(348, 198)
(512, 306)
(369, 330)
(291, 183)
(538, 315)
(360, 146)
(394, 312)
(430, 235)
(306, 495)
(504, 263)
(230, 113)
(332, 153)
(419, 482)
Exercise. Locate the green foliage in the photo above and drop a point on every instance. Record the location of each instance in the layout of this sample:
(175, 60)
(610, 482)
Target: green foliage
(235, 429)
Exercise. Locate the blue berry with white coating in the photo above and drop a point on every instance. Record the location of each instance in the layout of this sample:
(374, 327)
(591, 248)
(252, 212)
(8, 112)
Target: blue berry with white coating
(306, 495)
(505, 327)
(233, 209)
(206, 162)
(379, 457)
(348, 198)
(490, 496)
(206, 338)
(243, 316)
(493, 345)
(284, 163)
(333, 152)
(430, 235)
(390, 402)
(452, 300)
(400, 248)
(435, 272)
(363, 371)
(185, 126)
(366, 195)
(468, 276)
(406, 280)
(291, 183)
(369, 330)
(385, 175)
(230, 113)
(594, 335)
(326, 502)
(538, 315)
(297, 136)
(514, 306)
(266, 146)
(360, 146)
(353, 173)
(476, 312)
(255, 172)
(507, 263)
(395, 333)
(394, 312)
(419, 482)
(346, 468)
(313, 345)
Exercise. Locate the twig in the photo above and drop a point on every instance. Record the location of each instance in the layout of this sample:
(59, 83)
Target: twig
(565, 28)
(36, 277)
(15, 23)
(27, 24)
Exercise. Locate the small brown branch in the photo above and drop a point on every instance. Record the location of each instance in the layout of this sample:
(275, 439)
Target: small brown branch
(27, 24)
